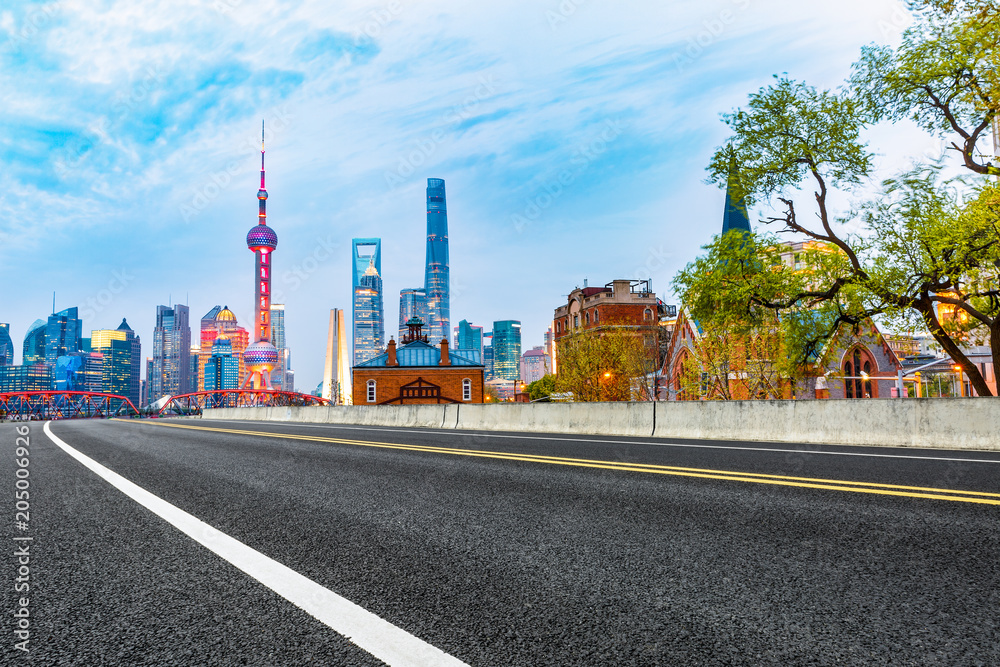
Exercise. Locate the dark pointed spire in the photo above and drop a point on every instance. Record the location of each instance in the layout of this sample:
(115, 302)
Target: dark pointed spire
(124, 326)
(735, 216)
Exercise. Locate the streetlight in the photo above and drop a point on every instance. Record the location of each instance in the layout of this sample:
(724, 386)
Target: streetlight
(961, 382)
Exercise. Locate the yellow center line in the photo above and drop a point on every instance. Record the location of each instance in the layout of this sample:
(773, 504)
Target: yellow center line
(702, 473)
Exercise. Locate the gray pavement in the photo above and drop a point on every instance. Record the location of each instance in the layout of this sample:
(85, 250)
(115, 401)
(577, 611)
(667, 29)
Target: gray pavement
(505, 562)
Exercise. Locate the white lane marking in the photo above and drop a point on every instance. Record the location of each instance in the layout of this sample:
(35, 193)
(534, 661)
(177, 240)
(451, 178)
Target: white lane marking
(382, 639)
(531, 436)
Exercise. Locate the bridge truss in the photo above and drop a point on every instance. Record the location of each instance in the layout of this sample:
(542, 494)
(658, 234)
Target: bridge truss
(191, 404)
(33, 405)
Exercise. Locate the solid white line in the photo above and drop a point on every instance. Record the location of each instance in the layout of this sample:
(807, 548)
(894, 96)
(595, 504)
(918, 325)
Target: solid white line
(383, 640)
(532, 436)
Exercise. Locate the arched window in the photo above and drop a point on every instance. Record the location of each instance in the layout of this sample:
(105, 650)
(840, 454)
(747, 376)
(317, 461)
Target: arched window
(596, 316)
(647, 314)
(586, 318)
(858, 369)
(371, 391)
(466, 389)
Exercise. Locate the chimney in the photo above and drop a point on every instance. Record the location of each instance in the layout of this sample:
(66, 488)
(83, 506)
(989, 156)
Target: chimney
(445, 359)
(391, 349)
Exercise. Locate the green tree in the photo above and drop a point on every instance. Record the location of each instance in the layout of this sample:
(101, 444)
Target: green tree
(927, 249)
(542, 388)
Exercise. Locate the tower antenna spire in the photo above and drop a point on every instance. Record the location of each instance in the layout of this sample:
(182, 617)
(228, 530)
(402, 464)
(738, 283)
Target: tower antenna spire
(262, 154)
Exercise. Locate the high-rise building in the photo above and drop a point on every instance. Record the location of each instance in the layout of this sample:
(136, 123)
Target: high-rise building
(336, 385)
(33, 351)
(171, 371)
(220, 321)
(63, 334)
(535, 364)
(412, 303)
(550, 348)
(27, 377)
(488, 355)
(369, 314)
(80, 371)
(122, 352)
(436, 277)
(261, 356)
(222, 371)
(507, 349)
(6, 346)
(469, 338)
(281, 376)
(144, 399)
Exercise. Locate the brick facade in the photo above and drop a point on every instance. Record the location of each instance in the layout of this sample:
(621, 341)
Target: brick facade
(389, 382)
(619, 303)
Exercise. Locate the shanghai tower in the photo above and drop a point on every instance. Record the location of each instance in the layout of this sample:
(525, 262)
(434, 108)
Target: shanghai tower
(436, 271)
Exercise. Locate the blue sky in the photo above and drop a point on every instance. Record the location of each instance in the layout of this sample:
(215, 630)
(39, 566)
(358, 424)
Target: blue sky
(573, 136)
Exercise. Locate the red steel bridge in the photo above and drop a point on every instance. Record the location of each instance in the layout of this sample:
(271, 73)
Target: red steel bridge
(39, 405)
(29, 405)
(193, 404)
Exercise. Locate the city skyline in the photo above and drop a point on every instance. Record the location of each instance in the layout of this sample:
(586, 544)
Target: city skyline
(619, 105)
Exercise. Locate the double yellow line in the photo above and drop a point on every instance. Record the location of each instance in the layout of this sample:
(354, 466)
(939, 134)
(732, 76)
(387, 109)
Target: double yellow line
(756, 478)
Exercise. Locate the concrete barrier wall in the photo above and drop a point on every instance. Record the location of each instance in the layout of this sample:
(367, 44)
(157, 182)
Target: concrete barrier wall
(969, 423)
(959, 423)
(593, 418)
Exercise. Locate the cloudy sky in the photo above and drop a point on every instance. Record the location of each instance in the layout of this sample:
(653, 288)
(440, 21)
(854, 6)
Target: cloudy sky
(573, 136)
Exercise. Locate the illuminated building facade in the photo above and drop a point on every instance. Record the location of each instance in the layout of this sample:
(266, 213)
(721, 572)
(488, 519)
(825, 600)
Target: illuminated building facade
(282, 377)
(33, 351)
(122, 352)
(222, 370)
(63, 334)
(28, 377)
(369, 314)
(436, 270)
(261, 356)
(219, 322)
(507, 349)
(171, 372)
(6, 346)
(412, 303)
(79, 371)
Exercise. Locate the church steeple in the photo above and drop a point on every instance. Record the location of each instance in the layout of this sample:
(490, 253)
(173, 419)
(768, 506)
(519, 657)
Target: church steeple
(735, 216)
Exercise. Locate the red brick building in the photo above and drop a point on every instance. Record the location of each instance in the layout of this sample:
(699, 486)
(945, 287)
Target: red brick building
(629, 303)
(417, 372)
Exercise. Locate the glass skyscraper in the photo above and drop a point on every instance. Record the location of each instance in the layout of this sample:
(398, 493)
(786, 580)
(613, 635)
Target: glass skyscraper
(222, 371)
(369, 314)
(63, 334)
(171, 353)
(507, 349)
(412, 303)
(122, 360)
(281, 376)
(34, 343)
(436, 280)
(6, 346)
(469, 338)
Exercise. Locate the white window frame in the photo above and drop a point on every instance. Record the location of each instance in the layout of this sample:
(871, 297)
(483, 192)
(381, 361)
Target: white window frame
(371, 391)
(466, 389)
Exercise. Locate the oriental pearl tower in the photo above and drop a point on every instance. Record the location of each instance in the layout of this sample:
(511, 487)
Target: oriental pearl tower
(261, 356)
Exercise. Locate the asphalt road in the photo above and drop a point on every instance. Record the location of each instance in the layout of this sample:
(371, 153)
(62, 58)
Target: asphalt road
(505, 549)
